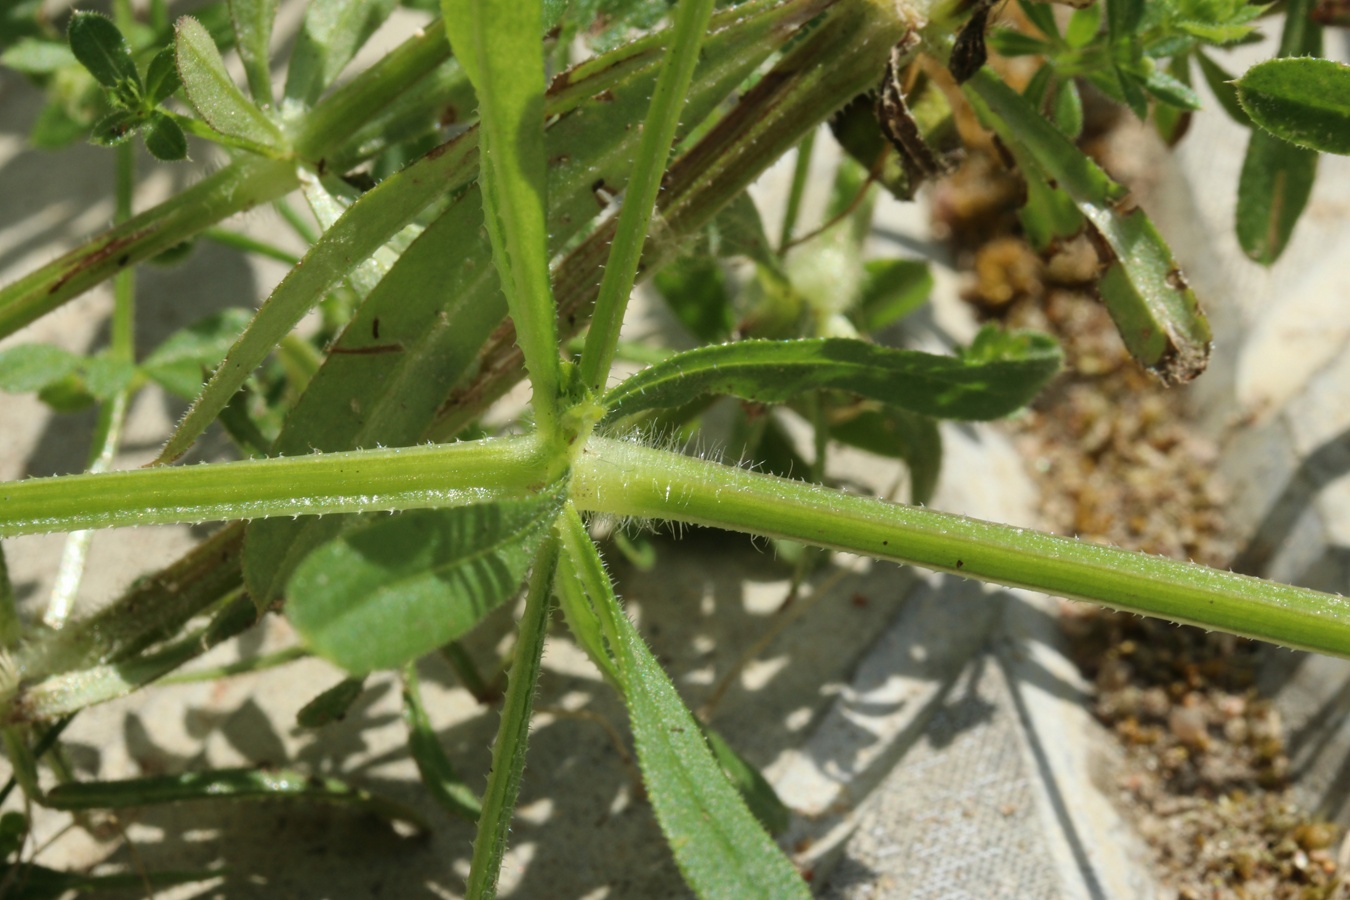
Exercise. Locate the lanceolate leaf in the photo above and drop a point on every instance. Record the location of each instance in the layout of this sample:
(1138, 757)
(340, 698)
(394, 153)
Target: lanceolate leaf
(998, 376)
(759, 796)
(332, 705)
(498, 45)
(891, 290)
(437, 772)
(213, 93)
(1305, 101)
(387, 593)
(1277, 177)
(1276, 182)
(332, 32)
(1156, 312)
(720, 848)
(252, 21)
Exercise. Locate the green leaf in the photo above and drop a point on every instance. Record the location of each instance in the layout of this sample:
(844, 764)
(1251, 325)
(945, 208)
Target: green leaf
(332, 32)
(57, 127)
(1171, 91)
(1040, 15)
(181, 362)
(1277, 177)
(164, 139)
(721, 849)
(252, 20)
(161, 78)
(438, 773)
(1039, 85)
(116, 127)
(582, 621)
(67, 395)
(901, 435)
(391, 591)
(214, 95)
(30, 367)
(332, 705)
(1132, 91)
(1083, 26)
(1067, 108)
(1303, 100)
(1216, 33)
(101, 49)
(1122, 19)
(498, 45)
(891, 290)
(759, 796)
(1010, 42)
(36, 56)
(106, 375)
(1221, 83)
(1157, 314)
(997, 376)
(1273, 189)
(1171, 123)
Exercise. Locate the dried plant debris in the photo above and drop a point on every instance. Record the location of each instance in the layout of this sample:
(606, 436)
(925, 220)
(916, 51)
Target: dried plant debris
(1203, 769)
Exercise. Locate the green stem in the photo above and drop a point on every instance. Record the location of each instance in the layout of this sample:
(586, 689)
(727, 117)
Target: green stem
(463, 665)
(234, 239)
(239, 667)
(112, 413)
(663, 117)
(237, 187)
(234, 784)
(508, 753)
(357, 481)
(801, 171)
(626, 479)
(299, 224)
